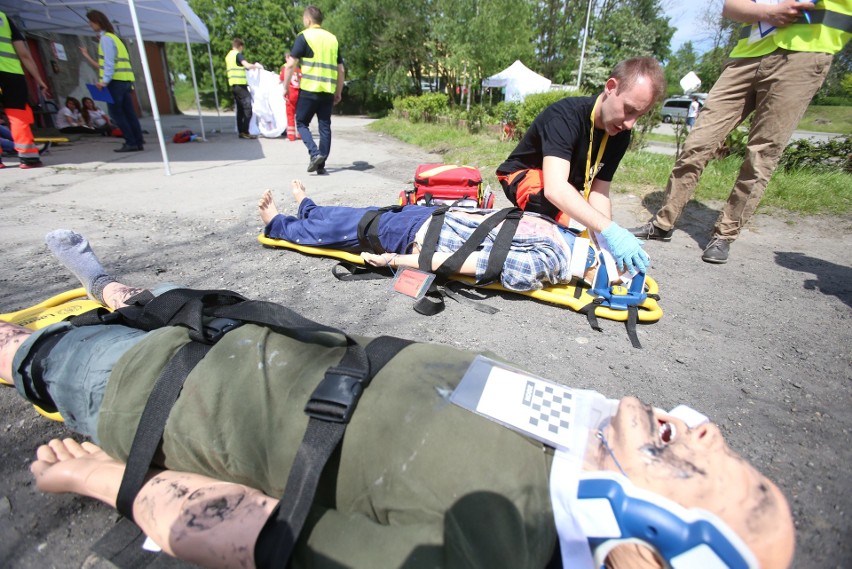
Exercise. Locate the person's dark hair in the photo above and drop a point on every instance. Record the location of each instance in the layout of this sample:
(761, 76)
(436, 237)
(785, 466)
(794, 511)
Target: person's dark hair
(101, 20)
(84, 111)
(628, 71)
(73, 100)
(237, 43)
(314, 13)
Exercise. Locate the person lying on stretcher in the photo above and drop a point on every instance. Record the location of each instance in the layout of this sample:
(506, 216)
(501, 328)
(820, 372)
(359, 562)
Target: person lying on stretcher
(541, 252)
(420, 481)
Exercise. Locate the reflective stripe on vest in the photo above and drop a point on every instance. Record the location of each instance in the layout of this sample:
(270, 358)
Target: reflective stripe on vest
(121, 71)
(829, 29)
(9, 62)
(236, 72)
(319, 73)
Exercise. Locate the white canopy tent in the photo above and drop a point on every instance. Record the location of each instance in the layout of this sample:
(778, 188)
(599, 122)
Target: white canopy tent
(150, 20)
(519, 81)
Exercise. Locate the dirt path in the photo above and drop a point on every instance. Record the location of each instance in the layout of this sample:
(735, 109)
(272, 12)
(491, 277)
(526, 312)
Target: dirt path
(761, 345)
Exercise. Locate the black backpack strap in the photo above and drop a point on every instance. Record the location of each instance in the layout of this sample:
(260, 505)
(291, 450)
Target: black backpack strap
(330, 408)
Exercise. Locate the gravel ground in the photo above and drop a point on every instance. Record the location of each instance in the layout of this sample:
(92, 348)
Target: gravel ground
(761, 344)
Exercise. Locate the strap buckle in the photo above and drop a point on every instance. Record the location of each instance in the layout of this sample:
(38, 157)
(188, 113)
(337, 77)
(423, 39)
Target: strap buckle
(336, 396)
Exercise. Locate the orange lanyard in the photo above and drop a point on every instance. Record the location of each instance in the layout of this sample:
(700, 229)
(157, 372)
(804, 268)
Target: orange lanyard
(587, 185)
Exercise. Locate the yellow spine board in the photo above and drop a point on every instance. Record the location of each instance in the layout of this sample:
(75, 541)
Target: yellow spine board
(561, 294)
(54, 309)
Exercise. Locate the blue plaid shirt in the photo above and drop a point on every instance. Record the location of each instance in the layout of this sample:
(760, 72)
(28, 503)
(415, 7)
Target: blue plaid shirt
(538, 255)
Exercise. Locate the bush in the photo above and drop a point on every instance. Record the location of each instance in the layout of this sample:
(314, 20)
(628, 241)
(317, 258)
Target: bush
(826, 156)
(425, 108)
(534, 104)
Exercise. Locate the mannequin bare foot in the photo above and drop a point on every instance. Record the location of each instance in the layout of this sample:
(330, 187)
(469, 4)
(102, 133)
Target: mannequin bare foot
(299, 191)
(85, 469)
(267, 207)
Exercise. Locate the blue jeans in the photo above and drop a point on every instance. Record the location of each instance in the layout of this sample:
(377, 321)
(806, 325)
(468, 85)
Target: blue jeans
(319, 104)
(121, 111)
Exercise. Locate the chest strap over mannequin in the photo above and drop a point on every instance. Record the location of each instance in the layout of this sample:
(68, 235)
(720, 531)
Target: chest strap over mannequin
(208, 315)
(510, 217)
(368, 229)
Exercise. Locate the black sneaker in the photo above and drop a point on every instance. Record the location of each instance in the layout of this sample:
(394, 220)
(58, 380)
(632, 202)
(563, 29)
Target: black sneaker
(316, 163)
(322, 171)
(716, 251)
(127, 148)
(650, 232)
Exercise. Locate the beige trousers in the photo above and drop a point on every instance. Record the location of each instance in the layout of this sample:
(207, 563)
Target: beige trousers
(778, 88)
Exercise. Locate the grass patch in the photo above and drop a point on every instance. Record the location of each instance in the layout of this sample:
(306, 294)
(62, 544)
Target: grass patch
(185, 98)
(827, 119)
(640, 172)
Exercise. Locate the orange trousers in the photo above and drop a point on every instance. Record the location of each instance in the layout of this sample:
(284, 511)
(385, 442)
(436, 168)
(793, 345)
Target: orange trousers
(20, 121)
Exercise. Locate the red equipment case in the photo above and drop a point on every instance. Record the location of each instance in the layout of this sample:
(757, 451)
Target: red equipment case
(437, 184)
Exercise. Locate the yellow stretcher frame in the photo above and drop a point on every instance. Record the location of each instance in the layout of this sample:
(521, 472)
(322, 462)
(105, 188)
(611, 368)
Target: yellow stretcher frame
(561, 294)
(49, 311)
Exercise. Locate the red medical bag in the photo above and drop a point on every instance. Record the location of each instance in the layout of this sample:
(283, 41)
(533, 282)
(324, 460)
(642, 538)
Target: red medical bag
(437, 184)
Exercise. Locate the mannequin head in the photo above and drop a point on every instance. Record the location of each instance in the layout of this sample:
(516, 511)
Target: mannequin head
(696, 468)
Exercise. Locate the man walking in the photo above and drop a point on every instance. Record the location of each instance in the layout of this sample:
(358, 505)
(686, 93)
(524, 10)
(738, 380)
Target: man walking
(316, 50)
(780, 61)
(692, 113)
(14, 57)
(236, 65)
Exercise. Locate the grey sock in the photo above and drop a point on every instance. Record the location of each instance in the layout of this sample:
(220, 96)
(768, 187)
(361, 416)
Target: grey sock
(74, 251)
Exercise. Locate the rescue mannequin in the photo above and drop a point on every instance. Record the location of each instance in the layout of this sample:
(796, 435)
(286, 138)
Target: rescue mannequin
(216, 523)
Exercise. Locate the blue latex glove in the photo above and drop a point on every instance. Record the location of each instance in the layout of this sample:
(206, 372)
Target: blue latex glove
(626, 249)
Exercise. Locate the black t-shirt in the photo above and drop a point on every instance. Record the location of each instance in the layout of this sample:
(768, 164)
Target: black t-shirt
(562, 130)
(301, 49)
(16, 34)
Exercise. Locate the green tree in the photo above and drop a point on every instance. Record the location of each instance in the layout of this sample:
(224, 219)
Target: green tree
(631, 28)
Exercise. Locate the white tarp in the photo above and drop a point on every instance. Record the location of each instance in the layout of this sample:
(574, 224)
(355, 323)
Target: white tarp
(267, 103)
(519, 81)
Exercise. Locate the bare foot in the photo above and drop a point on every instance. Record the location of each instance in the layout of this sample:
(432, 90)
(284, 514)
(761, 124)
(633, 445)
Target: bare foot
(299, 191)
(68, 466)
(267, 207)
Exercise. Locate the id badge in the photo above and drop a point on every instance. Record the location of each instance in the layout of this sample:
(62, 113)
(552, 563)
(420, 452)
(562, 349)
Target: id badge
(412, 282)
(536, 407)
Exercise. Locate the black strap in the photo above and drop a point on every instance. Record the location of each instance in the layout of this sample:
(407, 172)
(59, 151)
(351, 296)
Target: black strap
(368, 229)
(430, 240)
(346, 271)
(500, 249)
(453, 264)
(632, 319)
(152, 423)
(321, 438)
(122, 547)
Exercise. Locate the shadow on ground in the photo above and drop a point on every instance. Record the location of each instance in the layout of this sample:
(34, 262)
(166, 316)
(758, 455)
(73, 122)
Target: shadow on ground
(831, 279)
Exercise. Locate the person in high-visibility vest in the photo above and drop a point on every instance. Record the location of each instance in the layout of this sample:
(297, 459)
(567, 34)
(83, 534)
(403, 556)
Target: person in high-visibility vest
(780, 61)
(14, 58)
(318, 54)
(236, 66)
(116, 76)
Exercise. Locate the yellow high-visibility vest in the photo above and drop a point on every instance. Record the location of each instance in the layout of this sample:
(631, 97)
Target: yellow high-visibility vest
(122, 71)
(319, 73)
(236, 72)
(829, 29)
(9, 62)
